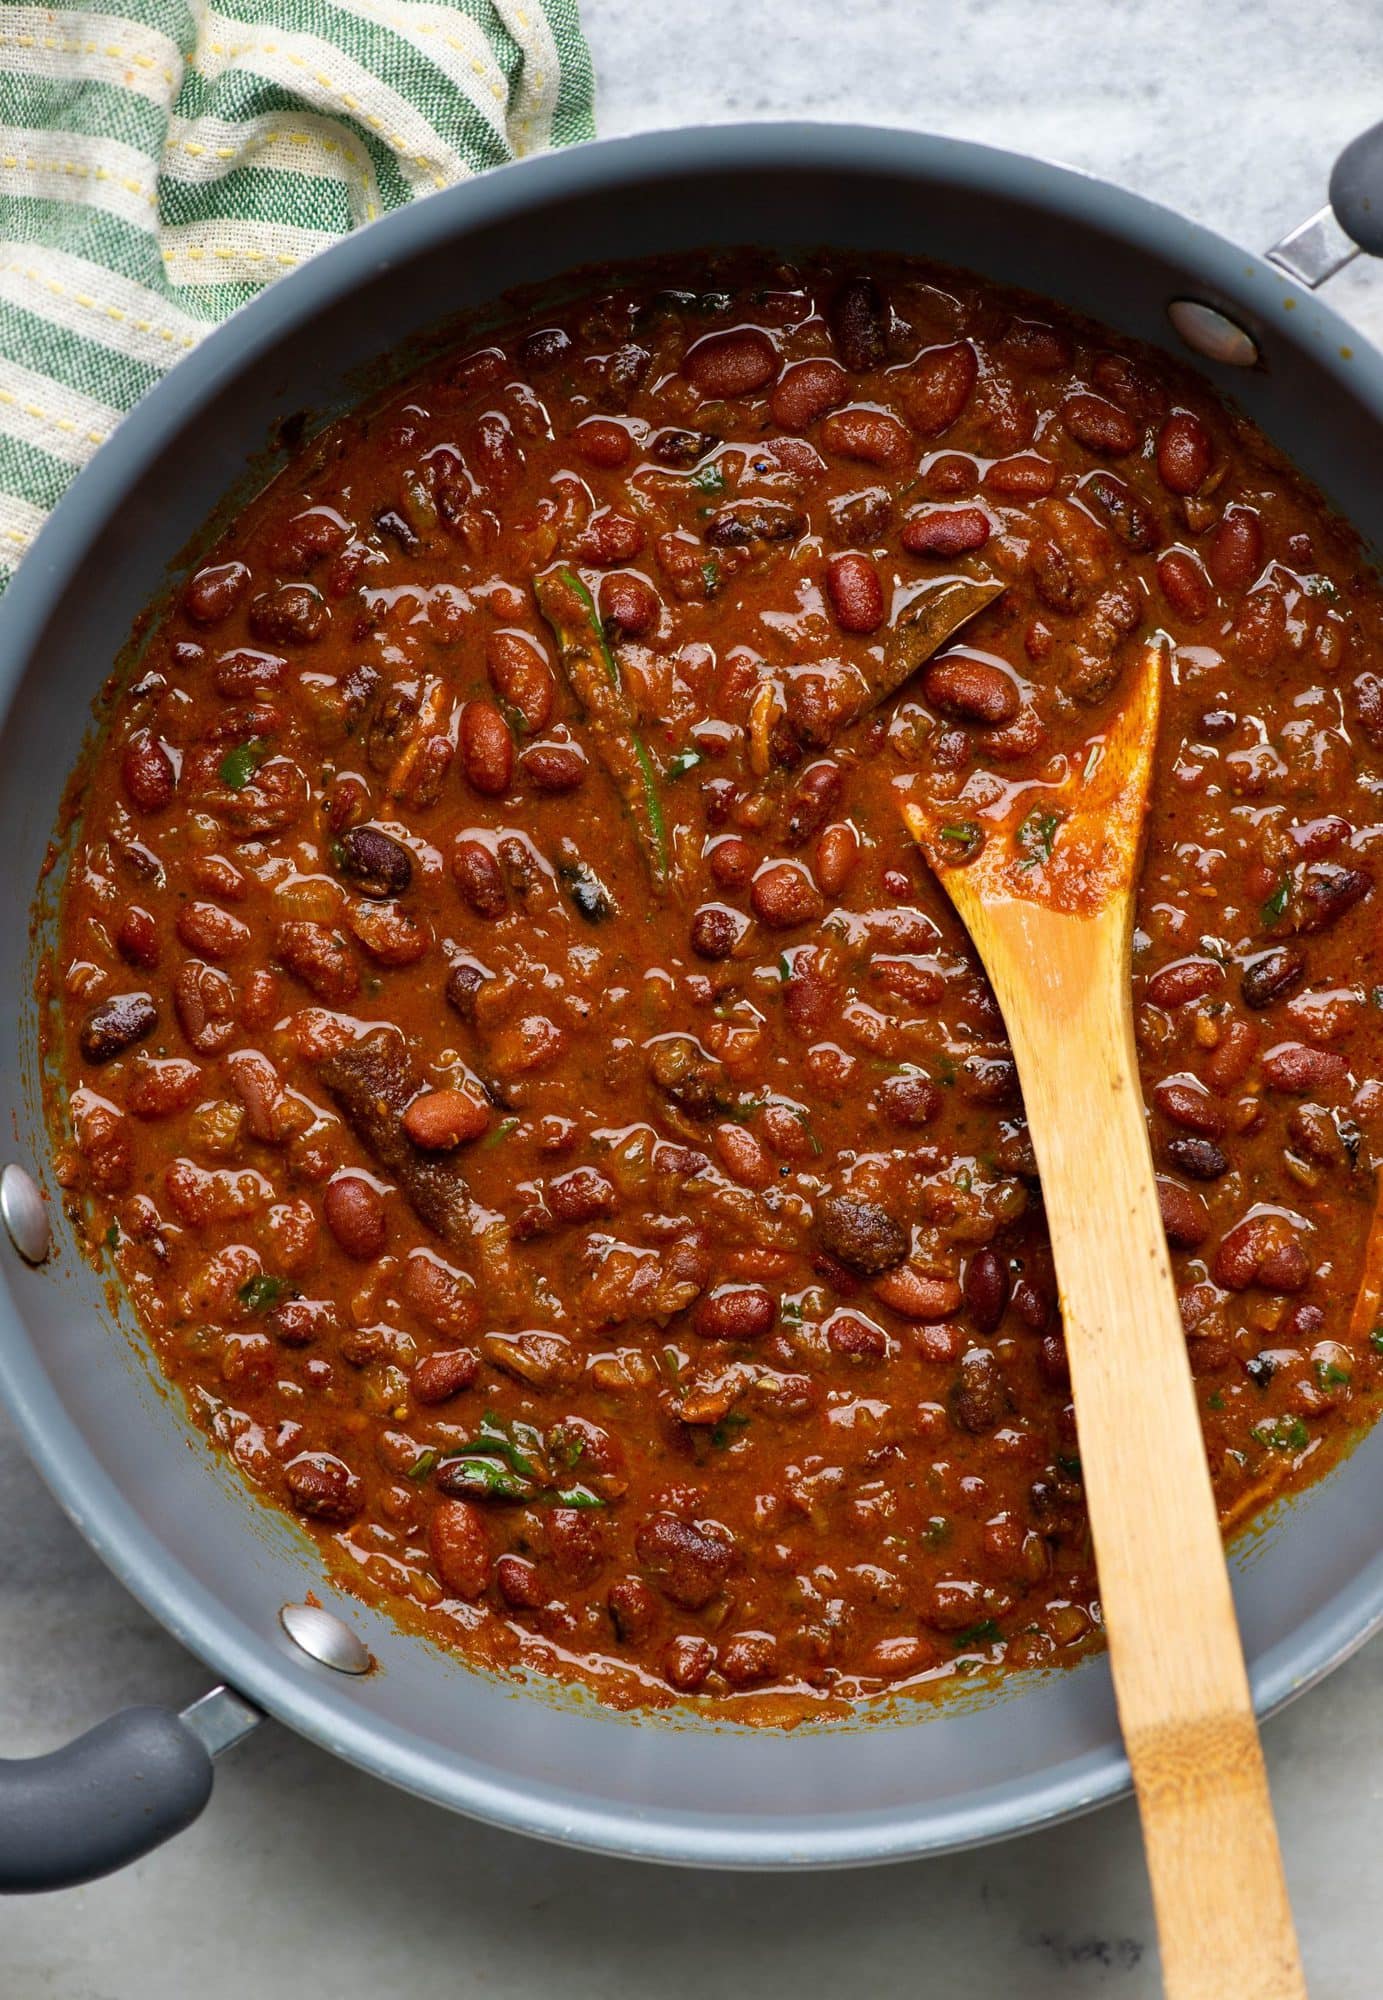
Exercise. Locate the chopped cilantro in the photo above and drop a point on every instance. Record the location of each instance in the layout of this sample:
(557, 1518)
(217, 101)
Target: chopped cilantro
(493, 1138)
(963, 836)
(709, 478)
(1036, 836)
(1276, 904)
(1215, 1401)
(262, 1293)
(1330, 1375)
(113, 1237)
(1282, 1434)
(710, 576)
(239, 765)
(936, 1530)
(983, 1634)
(731, 1425)
(1376, 1340)
(684, 761)
(422, 1464)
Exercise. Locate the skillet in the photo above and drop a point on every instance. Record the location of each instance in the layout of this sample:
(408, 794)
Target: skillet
(177, 1527)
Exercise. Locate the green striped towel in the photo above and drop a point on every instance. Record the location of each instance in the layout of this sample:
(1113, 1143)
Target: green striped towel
(163, 160)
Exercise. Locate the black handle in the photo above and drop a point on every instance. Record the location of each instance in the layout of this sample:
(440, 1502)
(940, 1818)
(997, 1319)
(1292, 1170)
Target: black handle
(1356, 190)
(130, 1783)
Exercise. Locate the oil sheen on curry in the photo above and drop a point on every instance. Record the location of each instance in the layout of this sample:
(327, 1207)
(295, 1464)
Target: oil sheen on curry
(544, 1112)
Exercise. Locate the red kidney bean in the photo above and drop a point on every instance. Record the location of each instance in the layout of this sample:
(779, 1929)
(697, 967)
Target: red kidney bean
(945, 531)
(716, 930)
(1299, 1071)
(783, 895)
(970, 690)
(520, 676)
(857, 596)
(582, 1195)
(1185, 979)
(1325, 893)
(986, 1289)
(245, 675)
(115, 1025)
(137, 939)
(742, 1157)
(910, 1100)
(487, 749)
(354, 1211)
(1272, 976)
(736, 363)
(1184, 585)
(857, 1338)
(1023, 478)
(633, 1610)
(1132, 521)
(375, 863)
(320, 958)
(459, 1542)
(293, 614)
(749, 1657)
(1259, 630)
(1189, 1105)
(1236, 550)
(213, 593)
(870, 435)
(1185, 1217)
(918, 1295)
(1201, 1159)
(1099, 426)
(544, 348)
(609, 537)
(444, 1373)
(602, 443)
(807, 391)
(211, 931)
(205, 1002)
(553, 767)
(1228, 1061)
(813, 797)
(477, 875)
(688, 1563)
(836, 853)
(323, 1486)
(731, 861)
(440, 1120)
(631, 603)
(1260, 1250)
(687, 1661)
(1183, 453)
(147, 773)
(735, 1312)
(858, 319)
(938, 386)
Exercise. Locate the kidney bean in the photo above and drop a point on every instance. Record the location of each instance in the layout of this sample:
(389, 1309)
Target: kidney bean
(858, 319)
(1260, 1250)
(520, 676)
(477, 875)
(444, 1373)
(205, 1001)
(292, 614)
(354, 1211)
(938, 386)
(520, 1583)
(441, 1120)
(1099, 426)
(630, 602)
(748, 1657)
(945, 531)
(1183, 453)
(1300, 1071)
(214, 592)
(115, 1025)
(716, 930)
(836, 853)
(689, 1563)
(1229, 1059)
(1200, 1159)
(686, 1662)
(1272, 975)
(322, 1486)
(601, 442)
(806, 391)
(137, 939)
(783, 895)
(458, 1540)
(856, 1338)
(1132, 521)
(735, 1312)
(320, 959)
(815, 794)
(742, 1157)
(1184, 979)
(1184, 585)
(731, 861)
(1026, 477)
(986, 1288)
(633, 1610)
(147, 773)
(245, 675)
(391, 934)
(970, 690)
(872, 436)
(1325, 892)
(736, 363)
(860, 1234)
(212, 931)
(918, 1295)
(1185, 1217)
(553, 767)
(910, 1100)
(608, 537)
(1189, 1105)
(979, 1400)
(159, 1087)
(1236, 550)
(582, 1195)
(857, 596)
(487, 749)
(1259, 630)
(374, 862)
(544, 348)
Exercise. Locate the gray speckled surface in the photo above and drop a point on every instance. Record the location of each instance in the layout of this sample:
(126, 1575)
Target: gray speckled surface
(303, 1872)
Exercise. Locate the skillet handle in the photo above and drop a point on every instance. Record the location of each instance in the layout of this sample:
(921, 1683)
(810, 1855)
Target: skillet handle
(111, 1795)
(1356, 190)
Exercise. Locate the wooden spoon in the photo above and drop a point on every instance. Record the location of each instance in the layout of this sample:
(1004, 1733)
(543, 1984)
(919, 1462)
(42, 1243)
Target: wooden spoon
(1047, 895)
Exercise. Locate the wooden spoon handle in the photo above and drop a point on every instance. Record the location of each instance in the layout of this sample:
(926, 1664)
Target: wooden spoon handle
(1184, 1704)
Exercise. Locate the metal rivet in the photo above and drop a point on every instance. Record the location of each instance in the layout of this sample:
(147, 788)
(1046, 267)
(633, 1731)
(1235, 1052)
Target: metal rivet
(1213, 334)
(24, 1213)
(325, 1638)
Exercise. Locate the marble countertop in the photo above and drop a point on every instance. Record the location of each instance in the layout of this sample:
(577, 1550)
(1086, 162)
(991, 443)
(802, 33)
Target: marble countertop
(303, 1873)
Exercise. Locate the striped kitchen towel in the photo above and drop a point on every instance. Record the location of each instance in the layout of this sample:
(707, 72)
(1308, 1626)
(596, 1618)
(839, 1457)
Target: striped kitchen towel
(162, 160)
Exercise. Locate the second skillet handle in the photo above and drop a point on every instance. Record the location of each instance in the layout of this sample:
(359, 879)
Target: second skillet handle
(1352, 220)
